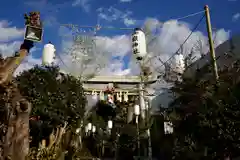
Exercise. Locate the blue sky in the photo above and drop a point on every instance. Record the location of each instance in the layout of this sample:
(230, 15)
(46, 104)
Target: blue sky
(225, 15)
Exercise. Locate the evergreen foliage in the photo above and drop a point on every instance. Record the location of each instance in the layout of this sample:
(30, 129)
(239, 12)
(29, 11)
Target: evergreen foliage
(206, 116)
(55, 97)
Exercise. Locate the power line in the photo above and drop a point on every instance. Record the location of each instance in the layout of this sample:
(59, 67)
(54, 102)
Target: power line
(59, 57)
(196, 26)
(98, 27)
(190, 15)
(180, 18)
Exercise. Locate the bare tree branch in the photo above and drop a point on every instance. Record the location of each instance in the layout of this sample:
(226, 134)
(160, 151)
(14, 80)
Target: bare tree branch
(87, 59)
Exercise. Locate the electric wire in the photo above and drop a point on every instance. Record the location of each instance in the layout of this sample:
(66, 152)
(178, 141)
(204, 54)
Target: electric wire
(180, 18)
(189, 36)
(98, 27)
(196, 26)
(190, 15)
(59, 57)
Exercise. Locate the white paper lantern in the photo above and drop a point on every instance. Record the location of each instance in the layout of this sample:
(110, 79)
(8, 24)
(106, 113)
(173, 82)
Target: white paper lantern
(119, 96)
(78, 130)
(110, 124)
(93, 129)
(89, 126)
(147, 104)
(178, 65)
(101, 95)
(168, 128)
(48, 55)
(86, 129)
(94, 96)
(139, 47)
(137, 110)
(125, 97)
(110, 99)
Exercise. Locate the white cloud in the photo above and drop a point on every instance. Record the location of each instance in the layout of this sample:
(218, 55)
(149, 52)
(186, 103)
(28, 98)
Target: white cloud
(167, 38)
(129, 21)
(108, 56)
(113, 14)
(9, 33)
(9, 48)
(236, 17)
(9, 44)
(84, 4)
(171, 34)
(116, 45)
(9, 38)
(27, 64)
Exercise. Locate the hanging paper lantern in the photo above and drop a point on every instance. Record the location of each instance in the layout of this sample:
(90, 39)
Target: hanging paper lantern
(110, 88)
(168, 127)
(101, 96)
(89, 126)
(125, 97)
(110, 124)
(110, 98)
(93, 129)
(119, 96)
(86, 129)
(48, 55)
(139, 47)
(137, 110)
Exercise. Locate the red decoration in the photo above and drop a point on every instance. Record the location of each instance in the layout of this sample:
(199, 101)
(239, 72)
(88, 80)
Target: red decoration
(110, 90)
(35, 19)
(35, 118)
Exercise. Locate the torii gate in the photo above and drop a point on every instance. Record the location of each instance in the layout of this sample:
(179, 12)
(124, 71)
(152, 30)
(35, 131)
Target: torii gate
(124, 84)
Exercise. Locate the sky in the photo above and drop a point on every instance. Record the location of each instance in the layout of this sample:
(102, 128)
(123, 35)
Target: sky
(166, 20)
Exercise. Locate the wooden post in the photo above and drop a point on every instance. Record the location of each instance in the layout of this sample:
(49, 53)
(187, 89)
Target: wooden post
(211, 45)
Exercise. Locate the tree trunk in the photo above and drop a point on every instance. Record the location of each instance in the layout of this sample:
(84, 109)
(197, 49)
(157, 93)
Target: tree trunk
(17, 138)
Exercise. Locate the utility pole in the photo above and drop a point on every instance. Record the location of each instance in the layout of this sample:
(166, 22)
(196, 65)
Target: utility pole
(116, 145)
(139, 49)
(210, 40)
(144, 109)
(149, 133)
(141, 93)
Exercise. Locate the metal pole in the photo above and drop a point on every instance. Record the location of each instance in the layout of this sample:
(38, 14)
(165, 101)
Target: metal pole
(145, 111)
(116, 146)
(138, 137)
(141, 95)
(211, 45)
(149, 145)
(102, 150)
(148, 132)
